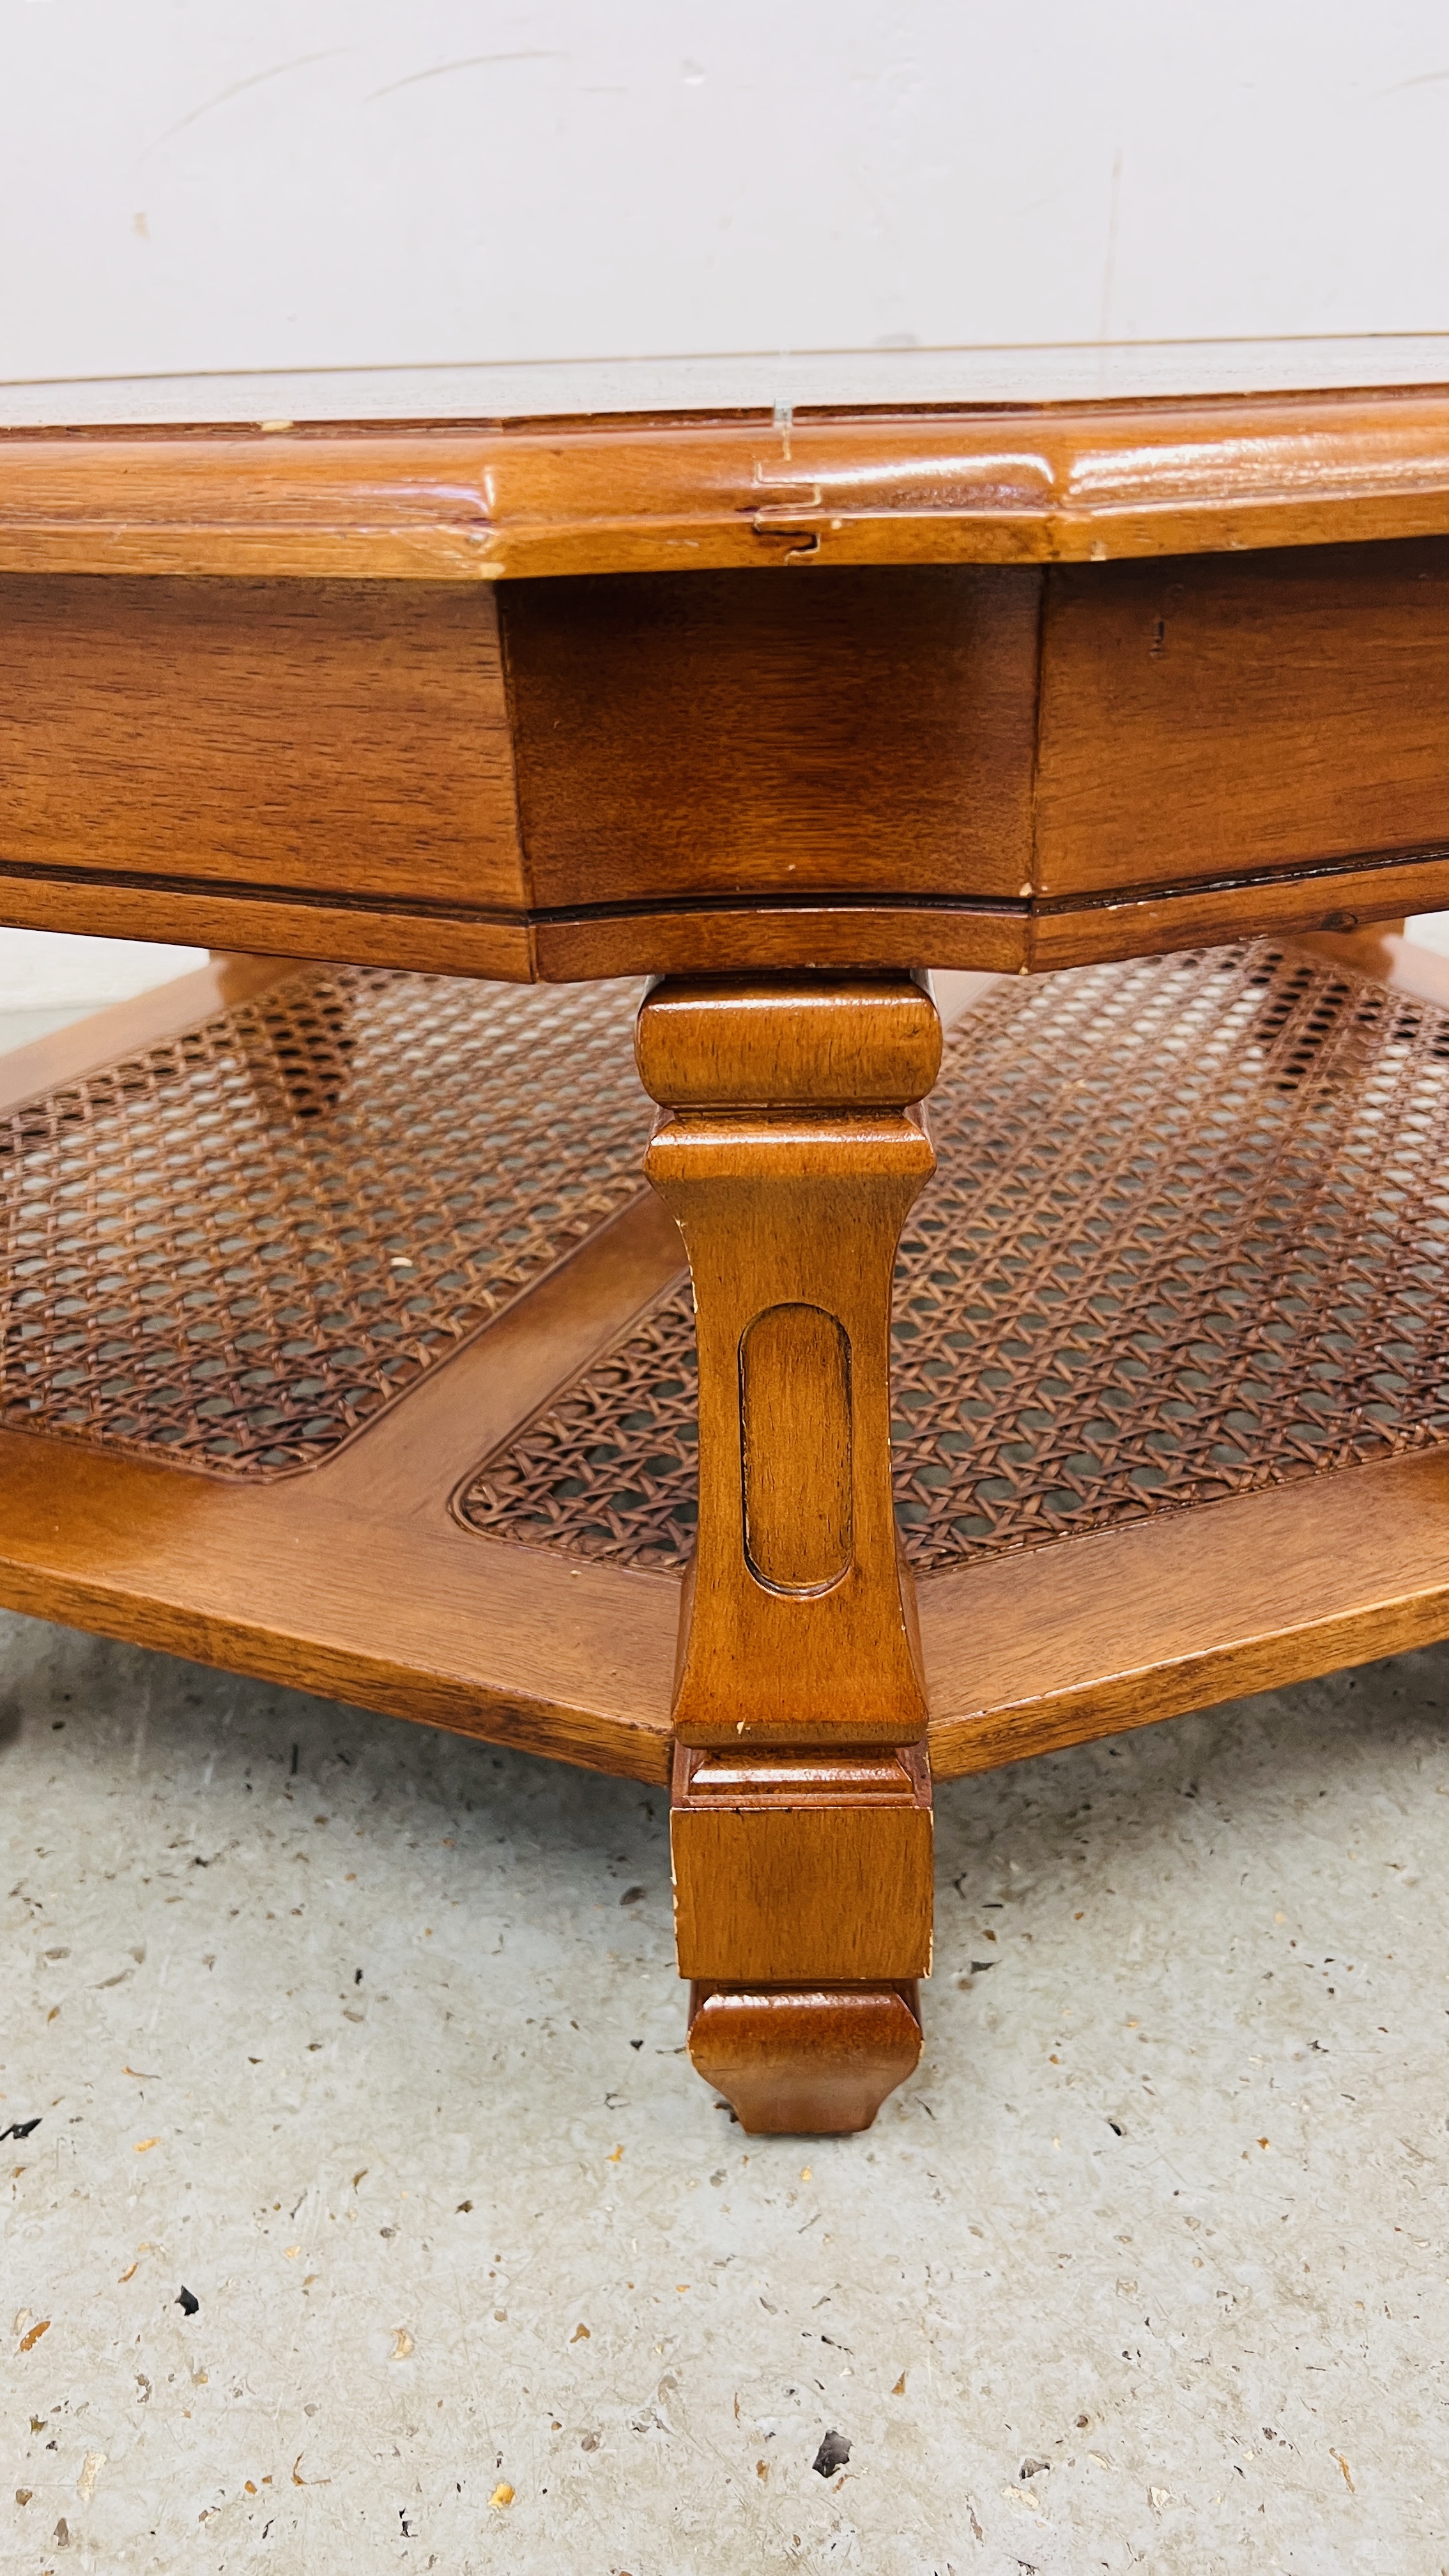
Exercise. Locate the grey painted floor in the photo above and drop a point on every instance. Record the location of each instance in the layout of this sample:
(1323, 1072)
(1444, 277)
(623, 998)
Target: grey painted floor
(367, 2040)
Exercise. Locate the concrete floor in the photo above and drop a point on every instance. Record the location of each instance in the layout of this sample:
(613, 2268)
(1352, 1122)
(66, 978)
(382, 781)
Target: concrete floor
(364, 2213)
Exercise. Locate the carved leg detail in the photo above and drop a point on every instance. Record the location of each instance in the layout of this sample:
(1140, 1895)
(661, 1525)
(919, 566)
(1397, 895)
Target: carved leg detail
(790, 1151)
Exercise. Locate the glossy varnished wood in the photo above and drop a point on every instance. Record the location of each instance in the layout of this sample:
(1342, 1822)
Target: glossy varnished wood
(1002, 484)
(1296, 904)
(745, 1043)
(94, 905)
(318, 1585)
(1025, 689)
(840, 932)
(805, 2063)
(377, 1598)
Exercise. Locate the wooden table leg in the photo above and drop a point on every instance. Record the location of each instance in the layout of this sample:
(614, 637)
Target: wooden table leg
(789, 1150)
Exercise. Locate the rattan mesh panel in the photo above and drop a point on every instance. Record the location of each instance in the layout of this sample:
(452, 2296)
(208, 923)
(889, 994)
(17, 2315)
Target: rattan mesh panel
(1187, 1239)
(234, 1249)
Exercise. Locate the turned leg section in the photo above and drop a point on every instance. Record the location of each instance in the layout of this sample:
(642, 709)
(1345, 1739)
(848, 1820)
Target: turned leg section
(789, 1149)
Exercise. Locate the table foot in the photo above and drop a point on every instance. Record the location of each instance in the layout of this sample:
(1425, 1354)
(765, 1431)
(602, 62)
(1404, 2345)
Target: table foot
(807, 2061)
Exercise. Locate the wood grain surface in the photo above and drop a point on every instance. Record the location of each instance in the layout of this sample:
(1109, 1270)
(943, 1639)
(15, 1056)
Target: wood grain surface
(1084, 1638)
(818, 1893)
(694, 940)
(759, 1045)
(989, 769)
(328, 739)
(1092, 1636)
(1069, 482)
(800, 1807)
(1219, 716)
(423, 941)
(1296, 905)
(691, 736)
(792, 1869)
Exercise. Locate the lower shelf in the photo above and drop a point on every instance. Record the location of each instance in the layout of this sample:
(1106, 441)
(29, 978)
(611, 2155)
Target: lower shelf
(339, 1344)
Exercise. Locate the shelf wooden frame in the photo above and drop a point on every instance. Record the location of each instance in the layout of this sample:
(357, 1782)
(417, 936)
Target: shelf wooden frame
(576, 1660)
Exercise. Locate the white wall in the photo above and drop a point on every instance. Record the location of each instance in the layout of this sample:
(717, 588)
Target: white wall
(190, 184)
(40, 970)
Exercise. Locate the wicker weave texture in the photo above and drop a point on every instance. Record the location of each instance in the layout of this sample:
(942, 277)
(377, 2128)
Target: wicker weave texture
(1187, 1240)
(232, 1250)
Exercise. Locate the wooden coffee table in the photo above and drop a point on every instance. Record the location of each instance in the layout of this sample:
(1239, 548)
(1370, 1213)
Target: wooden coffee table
(346, 1341)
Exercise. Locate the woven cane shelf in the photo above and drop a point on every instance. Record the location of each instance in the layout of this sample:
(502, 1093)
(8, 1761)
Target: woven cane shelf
(341, 1344)
(1188, 1238)
(234, 1248)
